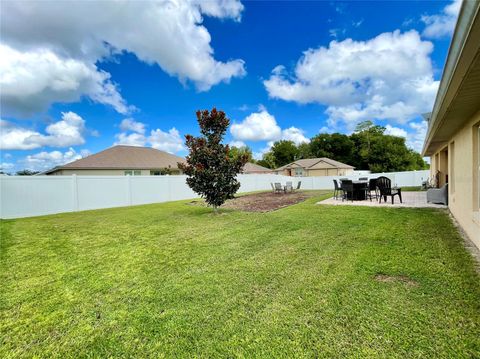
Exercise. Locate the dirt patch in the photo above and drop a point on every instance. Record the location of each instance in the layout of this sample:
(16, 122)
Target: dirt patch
(396, 278)
(265, 201)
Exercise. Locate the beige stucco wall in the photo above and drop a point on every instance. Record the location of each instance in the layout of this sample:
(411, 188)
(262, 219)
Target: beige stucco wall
(285, 172)
(321, 172)
(329, 172)
(97, 172)
(318, 172)
(463, 177)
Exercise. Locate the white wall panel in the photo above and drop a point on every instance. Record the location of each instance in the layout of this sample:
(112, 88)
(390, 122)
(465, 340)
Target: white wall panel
(23, 196)
(102, 191)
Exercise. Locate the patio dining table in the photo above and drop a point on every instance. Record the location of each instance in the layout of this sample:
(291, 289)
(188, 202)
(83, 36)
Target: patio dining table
(358, 190)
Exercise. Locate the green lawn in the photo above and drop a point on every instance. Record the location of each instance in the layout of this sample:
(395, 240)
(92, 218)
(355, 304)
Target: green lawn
(174, 280)
(411, 189)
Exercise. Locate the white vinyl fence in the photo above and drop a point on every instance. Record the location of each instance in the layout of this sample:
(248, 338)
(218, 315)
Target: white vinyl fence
(25, 196)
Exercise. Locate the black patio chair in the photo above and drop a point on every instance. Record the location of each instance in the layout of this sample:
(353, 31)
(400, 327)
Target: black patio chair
(298, 185)
(337, 189)
(347, 187)
(372, 186)
(384, 185)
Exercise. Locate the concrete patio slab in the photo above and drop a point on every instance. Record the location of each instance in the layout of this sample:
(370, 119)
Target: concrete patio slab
(410, 199)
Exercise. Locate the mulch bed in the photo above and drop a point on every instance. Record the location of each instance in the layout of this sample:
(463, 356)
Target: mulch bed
(264, 201)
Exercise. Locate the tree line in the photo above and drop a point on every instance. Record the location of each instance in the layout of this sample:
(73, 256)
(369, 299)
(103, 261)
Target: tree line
(367, 148)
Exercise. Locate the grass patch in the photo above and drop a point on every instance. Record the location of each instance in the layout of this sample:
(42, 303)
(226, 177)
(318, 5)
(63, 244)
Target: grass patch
(171, 280)
(411, 188)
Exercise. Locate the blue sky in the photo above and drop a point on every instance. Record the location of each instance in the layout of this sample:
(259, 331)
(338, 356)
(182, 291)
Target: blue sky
(79, 77)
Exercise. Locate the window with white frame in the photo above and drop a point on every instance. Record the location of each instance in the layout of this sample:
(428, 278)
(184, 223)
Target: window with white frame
(298, 172)
(132, 173)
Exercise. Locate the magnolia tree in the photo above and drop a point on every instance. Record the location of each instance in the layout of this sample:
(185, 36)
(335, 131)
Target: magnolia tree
(211, 171)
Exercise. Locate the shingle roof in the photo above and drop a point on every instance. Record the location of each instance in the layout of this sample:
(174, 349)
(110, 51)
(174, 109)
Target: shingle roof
(125, 157)
(254, 168)
(310, 162)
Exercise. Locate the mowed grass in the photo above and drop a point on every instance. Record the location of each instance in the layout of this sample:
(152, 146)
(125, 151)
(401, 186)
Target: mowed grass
(175, 280)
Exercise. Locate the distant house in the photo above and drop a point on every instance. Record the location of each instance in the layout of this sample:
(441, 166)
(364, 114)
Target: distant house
(453, 135)
(312, 167)
(252, 168)
(121, 161)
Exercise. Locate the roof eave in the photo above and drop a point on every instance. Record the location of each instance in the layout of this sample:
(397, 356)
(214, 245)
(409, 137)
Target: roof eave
(466, 18)
(114, 168)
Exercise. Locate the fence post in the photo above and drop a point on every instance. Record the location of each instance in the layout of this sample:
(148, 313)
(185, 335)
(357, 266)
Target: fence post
(75, 192)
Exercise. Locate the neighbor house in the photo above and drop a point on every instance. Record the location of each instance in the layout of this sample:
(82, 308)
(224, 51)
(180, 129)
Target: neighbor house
(453, 136)
(253, 168)
(312, 167)
(121, 161)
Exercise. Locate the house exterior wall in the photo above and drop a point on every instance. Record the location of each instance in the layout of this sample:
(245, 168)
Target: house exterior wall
(289, 172)
(330, 172)
(439, 166)
(100, 172)
(257, 172)
(463, 176)
(319, 172)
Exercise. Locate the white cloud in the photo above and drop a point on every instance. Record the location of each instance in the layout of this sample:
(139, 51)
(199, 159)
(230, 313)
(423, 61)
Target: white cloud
(336, 33)
(258, 126)
(262, 126)
(31, 80)
(221, 9)
(134, 135)
(166, 141)
(67, 132)
(388, 77)
(326, 129)
(13, 137)
(294, 134)
(129, 124)
(45, 160)
(6, 166)
(395, 131)
(51, 48)
(416, 137)
(414, 134)
(131, 139)
(259, 154)
(244, 107)
(442, 24)
(237, 144)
